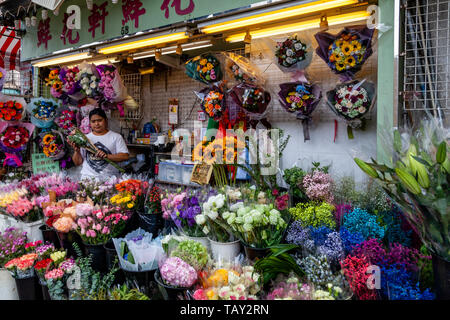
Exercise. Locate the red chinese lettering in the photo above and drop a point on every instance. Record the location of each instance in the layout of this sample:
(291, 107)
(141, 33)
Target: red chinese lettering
(97, 18)
(177, 5)
(67, 33)
(132, 10)
(43, 33)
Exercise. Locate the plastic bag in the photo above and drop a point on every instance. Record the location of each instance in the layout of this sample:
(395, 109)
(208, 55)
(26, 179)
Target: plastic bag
(43, 112)
(12, 109)
(242, 70)
(302, 99)
(213, 101)
(120, 91)
(253, 100)
(352, 101)
(204, 68)
(346, 52)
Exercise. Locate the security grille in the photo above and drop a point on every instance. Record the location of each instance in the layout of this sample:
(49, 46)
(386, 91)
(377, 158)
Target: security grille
(426, 64)
(133, 83)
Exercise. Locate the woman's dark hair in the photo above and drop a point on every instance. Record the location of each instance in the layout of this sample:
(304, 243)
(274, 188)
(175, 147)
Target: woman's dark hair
(99, 112)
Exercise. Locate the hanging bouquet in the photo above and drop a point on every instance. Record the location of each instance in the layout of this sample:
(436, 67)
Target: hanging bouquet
(52, 145)
(228, 283)
(80, 139)
(12, 110)
(98, 226)
(68, 77)
(66, 121)
(25, 210)
(54, 82)
(132, 194)
(107, 74)
(204, 68)
(43, 112)
(213, 102)
(346, 52)
(14, 137)
(89, 79)
(241, 69)
(252, 99)
(351, 102)
(293, 54)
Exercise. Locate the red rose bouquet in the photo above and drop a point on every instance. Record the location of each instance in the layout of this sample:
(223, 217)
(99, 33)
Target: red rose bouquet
(67, 121)
(14, 137)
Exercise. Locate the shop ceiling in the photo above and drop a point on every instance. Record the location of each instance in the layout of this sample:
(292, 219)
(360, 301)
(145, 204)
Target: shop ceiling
(260, 20)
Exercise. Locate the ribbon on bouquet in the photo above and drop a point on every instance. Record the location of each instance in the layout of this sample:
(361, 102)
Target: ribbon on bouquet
(12, 159)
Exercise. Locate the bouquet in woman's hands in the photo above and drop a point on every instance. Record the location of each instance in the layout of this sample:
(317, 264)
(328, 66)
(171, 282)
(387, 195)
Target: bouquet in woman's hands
(80, 140)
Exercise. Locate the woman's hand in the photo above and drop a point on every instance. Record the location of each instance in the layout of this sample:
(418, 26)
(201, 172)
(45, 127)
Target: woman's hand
(100, 154)
(73, 145)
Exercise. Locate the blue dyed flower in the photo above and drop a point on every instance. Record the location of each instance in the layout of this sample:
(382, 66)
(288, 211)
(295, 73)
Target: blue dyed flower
(361, 221)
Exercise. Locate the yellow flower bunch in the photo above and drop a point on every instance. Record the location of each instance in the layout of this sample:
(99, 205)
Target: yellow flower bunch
(123, 199)
(346, 52)
(9, 197)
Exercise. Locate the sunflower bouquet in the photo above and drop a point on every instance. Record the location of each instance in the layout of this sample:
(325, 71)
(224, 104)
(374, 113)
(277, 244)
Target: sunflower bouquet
(346, 52)
(54, 82)
(52, 145)
(79, 139)
(204, 68)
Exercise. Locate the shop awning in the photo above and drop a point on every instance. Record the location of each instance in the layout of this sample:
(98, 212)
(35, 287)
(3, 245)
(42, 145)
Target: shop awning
(9, 49)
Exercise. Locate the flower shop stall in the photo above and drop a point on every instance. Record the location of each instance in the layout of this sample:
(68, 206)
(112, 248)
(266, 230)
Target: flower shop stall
(281, 209)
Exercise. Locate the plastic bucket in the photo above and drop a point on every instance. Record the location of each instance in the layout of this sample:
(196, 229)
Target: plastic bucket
(169, 292)
(254, 254)
(98, 253)
(150, 222)
(50, 235)
(225, 250)
(8, 289)
(29, 289)
(111, 254)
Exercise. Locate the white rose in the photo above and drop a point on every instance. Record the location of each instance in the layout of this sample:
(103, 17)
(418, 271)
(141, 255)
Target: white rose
(213, 214)
(88, 91)
(298, 46)
(200, 219)
(235, 207)
(273, 220)
(289, 53)
(206, 206)
(247, 227)
(275, 212)
(248, 219)
(93, 85)
(289, 60)
(205, 230)
(231, 220)
(362, 109)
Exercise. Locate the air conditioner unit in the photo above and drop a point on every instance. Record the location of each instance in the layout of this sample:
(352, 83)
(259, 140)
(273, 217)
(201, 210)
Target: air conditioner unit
(49, 4)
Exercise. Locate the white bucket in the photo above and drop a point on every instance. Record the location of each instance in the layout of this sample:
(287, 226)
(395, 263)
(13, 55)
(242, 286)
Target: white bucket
(8, 289)
(4, 223)
(226, 251)
(32, 230)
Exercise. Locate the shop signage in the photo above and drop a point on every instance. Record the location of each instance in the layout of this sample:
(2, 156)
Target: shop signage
(201, 173)
(41, 163)
(107, 21)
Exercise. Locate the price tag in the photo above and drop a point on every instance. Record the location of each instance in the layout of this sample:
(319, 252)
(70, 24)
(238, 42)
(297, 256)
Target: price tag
(201, 173)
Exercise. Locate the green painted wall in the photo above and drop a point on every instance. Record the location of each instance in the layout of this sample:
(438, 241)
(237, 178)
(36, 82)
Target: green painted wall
(386, 74)
(154, 17)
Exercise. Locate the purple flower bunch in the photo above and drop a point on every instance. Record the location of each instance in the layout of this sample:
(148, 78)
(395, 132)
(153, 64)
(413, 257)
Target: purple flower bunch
(299, 235)
(44, 250)
(177, 273)
(12, 244)
(332, 247)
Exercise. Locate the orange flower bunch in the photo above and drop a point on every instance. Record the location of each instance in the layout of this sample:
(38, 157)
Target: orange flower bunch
(133, 186)
(11, 111)
(212, 104)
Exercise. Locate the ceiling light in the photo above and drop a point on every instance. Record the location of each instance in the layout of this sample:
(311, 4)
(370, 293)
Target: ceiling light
(144, 43)
(61, 60)
(268, 15)
(304, 25)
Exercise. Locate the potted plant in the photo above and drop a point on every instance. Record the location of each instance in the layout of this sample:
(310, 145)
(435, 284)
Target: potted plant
(417, 178)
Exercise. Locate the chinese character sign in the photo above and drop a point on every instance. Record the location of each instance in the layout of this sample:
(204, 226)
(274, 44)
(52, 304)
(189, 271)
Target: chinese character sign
(97, 18)
(132, 10)
(43, 33)
(177, 5)
(67, 33)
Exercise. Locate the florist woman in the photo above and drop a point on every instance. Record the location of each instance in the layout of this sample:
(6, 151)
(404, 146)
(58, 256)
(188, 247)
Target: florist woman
(110, 146)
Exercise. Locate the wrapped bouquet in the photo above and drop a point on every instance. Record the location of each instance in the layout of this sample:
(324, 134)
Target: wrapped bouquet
(43, 112)
(204, 68)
